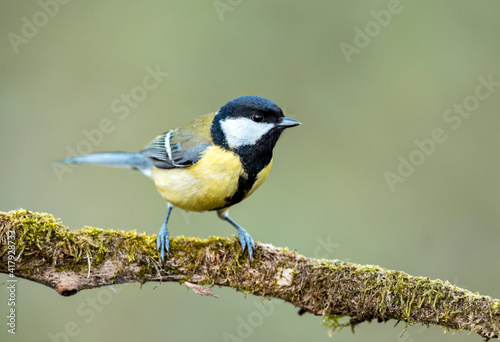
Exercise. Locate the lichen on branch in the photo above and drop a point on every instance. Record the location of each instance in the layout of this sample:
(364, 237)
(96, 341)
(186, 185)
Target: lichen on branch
(68, 261)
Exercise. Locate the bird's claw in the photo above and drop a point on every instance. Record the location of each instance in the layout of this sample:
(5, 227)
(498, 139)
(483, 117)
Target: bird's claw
(162, 243)
(246, 242)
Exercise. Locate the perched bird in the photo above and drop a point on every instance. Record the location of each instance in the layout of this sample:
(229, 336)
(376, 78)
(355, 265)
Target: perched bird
(211, 163)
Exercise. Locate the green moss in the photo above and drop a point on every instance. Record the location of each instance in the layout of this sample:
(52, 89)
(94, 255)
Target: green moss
(333, 323)
(334, 289)
(56, 245)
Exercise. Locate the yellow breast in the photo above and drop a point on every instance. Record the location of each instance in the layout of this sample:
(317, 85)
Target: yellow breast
(205, 185)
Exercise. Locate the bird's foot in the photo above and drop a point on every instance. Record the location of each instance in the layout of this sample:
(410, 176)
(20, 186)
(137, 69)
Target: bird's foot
(246, 241)
(163, 242)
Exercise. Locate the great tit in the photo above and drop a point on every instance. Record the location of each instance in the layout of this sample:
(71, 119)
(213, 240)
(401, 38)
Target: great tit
(211, 163)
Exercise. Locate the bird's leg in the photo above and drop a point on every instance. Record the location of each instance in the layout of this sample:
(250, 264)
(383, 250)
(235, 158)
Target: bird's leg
(246, 240)
(163, 239)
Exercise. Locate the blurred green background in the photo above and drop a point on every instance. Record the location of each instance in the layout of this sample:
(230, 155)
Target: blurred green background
(403, 67)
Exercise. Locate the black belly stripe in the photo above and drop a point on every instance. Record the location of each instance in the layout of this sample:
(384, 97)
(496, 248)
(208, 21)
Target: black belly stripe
(244, 186)
(252, 164)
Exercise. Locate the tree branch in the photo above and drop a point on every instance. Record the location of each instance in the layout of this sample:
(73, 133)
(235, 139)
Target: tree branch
(49, 253)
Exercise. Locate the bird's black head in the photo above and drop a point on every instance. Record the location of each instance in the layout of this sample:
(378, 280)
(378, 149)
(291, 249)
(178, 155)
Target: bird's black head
(255, 108)
(250, 126)
(249, 121)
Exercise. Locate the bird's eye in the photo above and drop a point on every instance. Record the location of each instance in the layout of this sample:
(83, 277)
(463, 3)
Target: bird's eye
(257, 117)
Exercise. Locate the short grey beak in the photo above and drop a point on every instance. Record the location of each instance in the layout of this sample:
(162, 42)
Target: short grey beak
(287, 122)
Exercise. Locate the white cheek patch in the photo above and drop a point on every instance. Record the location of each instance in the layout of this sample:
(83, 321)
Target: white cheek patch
(242, 131)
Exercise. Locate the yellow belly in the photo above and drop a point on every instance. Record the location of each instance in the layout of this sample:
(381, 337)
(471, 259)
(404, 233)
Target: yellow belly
(205, 185)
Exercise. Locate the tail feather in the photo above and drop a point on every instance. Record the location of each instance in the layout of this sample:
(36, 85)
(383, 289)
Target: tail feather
(115, 159)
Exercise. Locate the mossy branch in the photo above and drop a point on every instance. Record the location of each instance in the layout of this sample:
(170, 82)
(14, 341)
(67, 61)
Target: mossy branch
(41, 249)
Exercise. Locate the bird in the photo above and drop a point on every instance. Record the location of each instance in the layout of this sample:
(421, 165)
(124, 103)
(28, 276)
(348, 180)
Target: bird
(210, 164)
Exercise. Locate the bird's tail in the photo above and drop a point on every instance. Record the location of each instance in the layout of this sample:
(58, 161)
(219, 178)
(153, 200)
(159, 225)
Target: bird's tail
(115, 159)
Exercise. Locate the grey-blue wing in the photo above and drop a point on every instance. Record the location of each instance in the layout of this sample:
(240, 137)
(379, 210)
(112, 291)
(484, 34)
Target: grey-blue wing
(175, 149)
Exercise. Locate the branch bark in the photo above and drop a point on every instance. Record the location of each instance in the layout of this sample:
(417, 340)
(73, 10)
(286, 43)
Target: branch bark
(37, 247)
